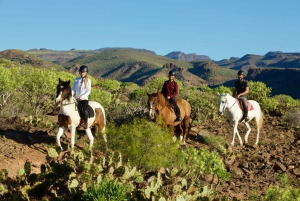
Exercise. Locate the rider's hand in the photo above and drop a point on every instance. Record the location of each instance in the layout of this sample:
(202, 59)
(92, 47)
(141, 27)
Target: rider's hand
(168, 97)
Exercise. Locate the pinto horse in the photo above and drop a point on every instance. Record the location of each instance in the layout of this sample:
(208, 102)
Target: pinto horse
(235, 113)
(68, 116)
(159, 107)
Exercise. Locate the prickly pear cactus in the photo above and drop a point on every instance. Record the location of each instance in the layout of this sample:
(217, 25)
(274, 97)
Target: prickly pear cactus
(139, 179)
(109, 157)
(118, 159)
(120, 171)
(177, 189)
(3, 190)
(43, 169)
(73, 184)
(3, 175)
(21, 172)
(79, 157)
(52, 153)
(27, 167)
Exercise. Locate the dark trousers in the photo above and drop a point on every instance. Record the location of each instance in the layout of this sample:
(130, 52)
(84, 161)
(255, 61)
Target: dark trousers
(244, 102)
(176, 108)
(84, 104)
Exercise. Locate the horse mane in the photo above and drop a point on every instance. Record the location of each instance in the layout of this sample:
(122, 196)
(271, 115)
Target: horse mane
(163, 100)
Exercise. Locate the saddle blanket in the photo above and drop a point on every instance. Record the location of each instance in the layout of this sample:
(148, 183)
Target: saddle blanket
(250, 106)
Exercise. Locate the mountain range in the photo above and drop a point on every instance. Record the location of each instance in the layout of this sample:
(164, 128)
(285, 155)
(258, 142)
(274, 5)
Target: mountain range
(277, 70)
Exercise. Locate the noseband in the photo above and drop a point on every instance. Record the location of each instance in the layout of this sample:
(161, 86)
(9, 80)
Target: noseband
(226, 102)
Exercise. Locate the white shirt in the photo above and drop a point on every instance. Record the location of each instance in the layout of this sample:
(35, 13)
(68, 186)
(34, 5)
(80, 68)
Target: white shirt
(80, 90)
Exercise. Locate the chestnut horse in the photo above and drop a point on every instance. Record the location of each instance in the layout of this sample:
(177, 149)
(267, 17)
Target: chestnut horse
(159, 107)
(68, 117)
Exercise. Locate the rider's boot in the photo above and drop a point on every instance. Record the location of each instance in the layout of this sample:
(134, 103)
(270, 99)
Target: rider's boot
(178, 116)
(245, 115)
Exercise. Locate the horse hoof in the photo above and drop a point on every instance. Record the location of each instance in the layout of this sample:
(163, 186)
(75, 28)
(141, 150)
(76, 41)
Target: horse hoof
(255, 146)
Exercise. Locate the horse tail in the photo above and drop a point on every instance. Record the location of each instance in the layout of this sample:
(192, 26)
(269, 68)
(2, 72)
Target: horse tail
(260, 120)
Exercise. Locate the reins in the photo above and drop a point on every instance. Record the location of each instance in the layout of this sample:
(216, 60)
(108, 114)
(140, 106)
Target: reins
(228, 107)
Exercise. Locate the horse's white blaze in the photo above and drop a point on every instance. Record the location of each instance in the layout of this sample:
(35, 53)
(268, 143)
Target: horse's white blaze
(151, 111)
(234, 114)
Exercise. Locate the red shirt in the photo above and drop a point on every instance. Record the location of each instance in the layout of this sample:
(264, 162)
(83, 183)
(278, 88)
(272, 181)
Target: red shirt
(170, 89)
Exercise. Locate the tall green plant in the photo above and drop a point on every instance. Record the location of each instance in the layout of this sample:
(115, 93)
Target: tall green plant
(144, 143)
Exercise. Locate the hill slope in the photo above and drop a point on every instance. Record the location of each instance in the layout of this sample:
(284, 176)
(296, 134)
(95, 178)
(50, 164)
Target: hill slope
(22, 58)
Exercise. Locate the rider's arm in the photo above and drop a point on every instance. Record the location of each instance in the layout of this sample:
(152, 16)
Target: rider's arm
(245, 92)
(234, 92)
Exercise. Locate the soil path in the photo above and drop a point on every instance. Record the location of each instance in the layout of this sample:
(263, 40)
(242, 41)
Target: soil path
(252, 170)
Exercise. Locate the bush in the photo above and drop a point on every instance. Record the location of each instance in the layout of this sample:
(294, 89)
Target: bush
(144, 143)
(258, 91)
(106, 190)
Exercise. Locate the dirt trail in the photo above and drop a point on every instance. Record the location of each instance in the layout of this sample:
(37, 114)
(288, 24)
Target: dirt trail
(252, 170)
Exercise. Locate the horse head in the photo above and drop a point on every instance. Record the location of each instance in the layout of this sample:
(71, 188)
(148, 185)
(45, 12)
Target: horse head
(223, 102)
(152, 104)
(63, 91)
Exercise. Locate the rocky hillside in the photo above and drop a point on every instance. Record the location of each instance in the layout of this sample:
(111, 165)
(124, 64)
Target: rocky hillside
(178, 55)
(271, 59)
(25, 58)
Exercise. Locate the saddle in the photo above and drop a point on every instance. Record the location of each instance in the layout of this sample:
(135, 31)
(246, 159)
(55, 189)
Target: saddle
(249, 105)
(89, 112)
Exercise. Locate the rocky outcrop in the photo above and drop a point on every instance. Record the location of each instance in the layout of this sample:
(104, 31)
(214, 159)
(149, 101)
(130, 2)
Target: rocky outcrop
(177, 55)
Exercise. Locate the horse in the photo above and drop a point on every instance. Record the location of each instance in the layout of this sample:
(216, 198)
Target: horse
(69, 118)
(159, 107)
(235, 113)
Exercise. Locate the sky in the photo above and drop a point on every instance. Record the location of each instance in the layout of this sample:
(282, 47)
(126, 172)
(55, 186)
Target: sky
(219, 29)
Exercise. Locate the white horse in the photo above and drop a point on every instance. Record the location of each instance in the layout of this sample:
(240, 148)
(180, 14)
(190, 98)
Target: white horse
(68, 117)
(234, 115)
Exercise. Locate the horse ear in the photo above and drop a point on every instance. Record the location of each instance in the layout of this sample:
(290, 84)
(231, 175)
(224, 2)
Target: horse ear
(59, 80)
(69, 82)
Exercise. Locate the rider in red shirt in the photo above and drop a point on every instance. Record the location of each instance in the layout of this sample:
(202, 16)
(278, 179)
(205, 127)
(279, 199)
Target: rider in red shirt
(170, 91)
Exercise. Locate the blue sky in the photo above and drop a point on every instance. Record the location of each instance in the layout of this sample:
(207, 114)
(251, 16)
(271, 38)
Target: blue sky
(216, 28)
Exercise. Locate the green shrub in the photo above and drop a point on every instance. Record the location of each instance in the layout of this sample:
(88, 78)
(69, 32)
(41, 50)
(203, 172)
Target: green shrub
(258, 91)
(106, 190)
(110, 85)
(145, 144)
(101, 96)
(283, 192)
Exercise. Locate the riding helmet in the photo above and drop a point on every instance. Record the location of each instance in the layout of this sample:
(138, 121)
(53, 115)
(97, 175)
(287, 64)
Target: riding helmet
(241, 72)
(83, 68)
(173, 73)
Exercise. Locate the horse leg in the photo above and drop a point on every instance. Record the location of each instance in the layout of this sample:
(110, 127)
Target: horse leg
(247, 133)
(182, 137)
(186, 128)
(72, 131)
(235, 131)
(91, 138)
(60, 132)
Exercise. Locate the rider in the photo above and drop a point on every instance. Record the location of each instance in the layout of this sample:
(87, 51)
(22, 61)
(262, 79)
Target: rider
(240, 91)
(82, 89)
(170, 91)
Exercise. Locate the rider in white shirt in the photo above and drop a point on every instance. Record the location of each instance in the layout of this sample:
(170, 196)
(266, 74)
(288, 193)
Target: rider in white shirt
(82, 89)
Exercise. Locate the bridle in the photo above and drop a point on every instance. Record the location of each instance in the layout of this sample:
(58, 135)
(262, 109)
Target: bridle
(226, 103)
(153, 108)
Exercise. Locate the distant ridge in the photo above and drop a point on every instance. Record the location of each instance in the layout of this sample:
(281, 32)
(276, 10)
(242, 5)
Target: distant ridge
(178, 55)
